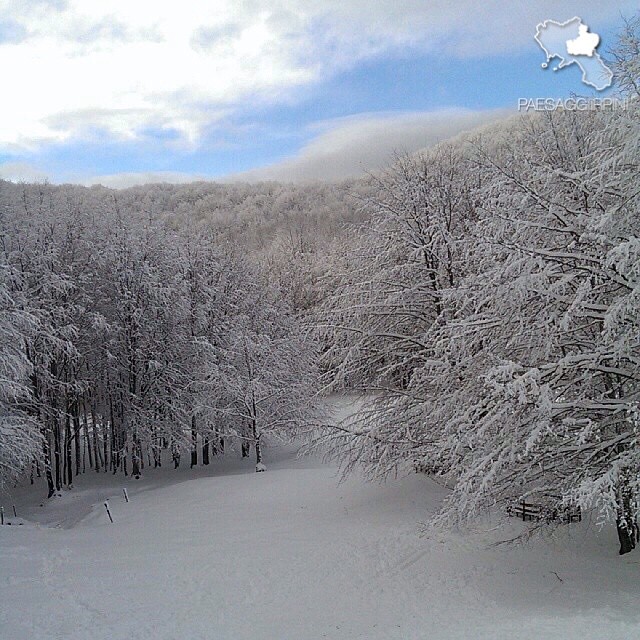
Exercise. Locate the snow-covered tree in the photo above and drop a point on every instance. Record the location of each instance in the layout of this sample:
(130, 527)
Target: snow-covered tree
(525, 382)
(394, 281)
(625, 58)
(265, 371)
(20, 438)
(546, 337)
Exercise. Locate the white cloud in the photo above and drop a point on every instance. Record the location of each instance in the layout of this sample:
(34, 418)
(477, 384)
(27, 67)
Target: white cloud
(123, 180)
(21, 172)
(25, 172)
(349, 147)
(178, 65)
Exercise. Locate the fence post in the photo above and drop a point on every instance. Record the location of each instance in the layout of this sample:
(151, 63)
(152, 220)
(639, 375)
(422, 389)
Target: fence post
(523, 511)
(1, 515)
(15, 515)
(106, 506)
(126, 495)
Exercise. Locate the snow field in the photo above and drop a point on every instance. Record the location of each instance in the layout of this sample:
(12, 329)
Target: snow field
(290, 554)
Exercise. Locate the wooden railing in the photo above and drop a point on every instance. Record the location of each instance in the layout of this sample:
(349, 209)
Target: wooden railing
(538, 511)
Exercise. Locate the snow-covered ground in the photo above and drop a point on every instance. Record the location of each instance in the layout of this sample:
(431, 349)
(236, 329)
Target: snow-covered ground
(290, 554)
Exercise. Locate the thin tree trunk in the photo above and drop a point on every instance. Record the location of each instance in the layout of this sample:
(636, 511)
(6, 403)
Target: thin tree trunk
(63, 445)
(175, 452)
(76, 435)
(156, 443)
(87, 437)
(194, 443)
(56, 452)
(47, 465)
(256, 435)
(56, 429)
(114, 443)
(84, 441)
(99, 453)
(67, 450)
(135, 457)
(205, 449)
(256, 444)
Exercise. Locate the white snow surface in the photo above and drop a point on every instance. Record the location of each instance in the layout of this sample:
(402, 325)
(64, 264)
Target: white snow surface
(224, 553)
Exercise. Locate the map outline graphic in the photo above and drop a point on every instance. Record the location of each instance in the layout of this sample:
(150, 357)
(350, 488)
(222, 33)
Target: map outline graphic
(574, 34)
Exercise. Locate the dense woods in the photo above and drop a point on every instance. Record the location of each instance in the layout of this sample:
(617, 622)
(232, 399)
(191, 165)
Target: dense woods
(131, 328)
(483, 295)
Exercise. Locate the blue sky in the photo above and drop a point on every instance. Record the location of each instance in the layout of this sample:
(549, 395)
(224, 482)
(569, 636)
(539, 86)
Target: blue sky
(288, 89)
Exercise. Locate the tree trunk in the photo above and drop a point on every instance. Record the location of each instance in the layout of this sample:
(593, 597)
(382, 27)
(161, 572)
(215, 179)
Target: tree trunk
(626, 524)
(56, 452)
(76, 436)
(136, 458)
(257, 445)
(175, 453)
(205, 450)
(115, 461)
(47, 465)
(157, 451)
(194, 443)
(66, 451)
(87, 437)
(100, 453)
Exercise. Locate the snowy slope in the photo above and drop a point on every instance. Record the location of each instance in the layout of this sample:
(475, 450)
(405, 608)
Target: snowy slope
(292, 555)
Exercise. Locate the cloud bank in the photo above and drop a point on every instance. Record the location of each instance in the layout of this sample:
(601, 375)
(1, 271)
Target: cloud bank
(339, 149)
(349, 147)
(21, 172)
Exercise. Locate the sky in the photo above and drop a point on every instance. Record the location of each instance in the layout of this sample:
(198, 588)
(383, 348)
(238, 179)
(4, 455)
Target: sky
(123, 92)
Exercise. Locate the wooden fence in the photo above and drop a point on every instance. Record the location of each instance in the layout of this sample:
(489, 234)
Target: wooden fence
(538, 511)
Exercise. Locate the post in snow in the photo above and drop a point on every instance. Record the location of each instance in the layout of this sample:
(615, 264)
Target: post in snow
(106, 506)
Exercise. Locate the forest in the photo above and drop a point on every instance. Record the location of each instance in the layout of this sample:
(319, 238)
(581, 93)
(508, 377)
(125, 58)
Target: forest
(483, 296)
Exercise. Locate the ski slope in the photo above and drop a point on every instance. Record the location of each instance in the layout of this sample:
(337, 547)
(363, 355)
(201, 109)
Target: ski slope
(224, 553)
